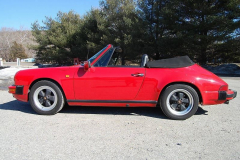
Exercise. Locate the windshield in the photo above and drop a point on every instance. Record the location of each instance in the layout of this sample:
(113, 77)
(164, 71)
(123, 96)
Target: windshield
(96, 55)
(103, 61)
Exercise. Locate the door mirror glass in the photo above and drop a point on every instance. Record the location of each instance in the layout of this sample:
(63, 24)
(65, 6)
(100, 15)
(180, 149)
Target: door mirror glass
(87, 65)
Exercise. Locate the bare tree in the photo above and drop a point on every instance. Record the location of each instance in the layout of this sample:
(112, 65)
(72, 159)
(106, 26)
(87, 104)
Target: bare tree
(10, 35)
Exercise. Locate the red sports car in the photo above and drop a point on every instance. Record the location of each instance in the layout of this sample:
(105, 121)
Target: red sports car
(177, 84)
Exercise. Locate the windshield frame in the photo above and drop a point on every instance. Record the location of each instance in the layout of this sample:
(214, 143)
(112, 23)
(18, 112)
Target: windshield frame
(98, 55)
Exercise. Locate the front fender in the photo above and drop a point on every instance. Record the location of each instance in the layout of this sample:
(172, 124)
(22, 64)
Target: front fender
(62, 75)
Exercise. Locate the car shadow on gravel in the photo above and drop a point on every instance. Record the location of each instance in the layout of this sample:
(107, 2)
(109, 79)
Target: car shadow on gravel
(134, 111)
(17, 106)
(201, 111)
(131, 111)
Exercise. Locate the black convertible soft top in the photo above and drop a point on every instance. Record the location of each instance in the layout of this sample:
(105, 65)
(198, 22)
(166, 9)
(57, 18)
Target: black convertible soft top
(176, 62)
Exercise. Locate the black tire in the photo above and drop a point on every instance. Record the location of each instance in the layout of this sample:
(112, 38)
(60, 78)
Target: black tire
(46, 98)
(179, 101)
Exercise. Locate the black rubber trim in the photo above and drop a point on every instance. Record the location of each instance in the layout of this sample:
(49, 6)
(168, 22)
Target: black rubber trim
(19, 90)
(222, 95)
(230, 95)
(111, 101)
(234, 93)
(176, 62)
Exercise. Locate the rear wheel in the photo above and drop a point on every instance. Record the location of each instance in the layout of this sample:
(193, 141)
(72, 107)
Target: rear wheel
(46, 98)
(179, 101)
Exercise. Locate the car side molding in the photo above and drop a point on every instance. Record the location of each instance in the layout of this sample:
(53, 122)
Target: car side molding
(112, 101)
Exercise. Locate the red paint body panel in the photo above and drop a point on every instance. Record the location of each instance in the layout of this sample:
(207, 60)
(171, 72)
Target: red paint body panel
(107, 83)
(113, 83)
(230, 92)
(23, 97)
(59, 75)
(157, 78)
(122, 83)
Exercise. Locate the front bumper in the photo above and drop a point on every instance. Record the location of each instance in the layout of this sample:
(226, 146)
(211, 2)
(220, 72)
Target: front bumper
(19, 92)
(15, 89)
(227, 95)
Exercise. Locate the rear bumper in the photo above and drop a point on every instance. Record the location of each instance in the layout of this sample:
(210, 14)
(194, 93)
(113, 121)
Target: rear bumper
(227, 95)
(218, 97)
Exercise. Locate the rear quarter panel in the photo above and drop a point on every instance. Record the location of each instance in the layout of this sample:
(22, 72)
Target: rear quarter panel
(157, 79)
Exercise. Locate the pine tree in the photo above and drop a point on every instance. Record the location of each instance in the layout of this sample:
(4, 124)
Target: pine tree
(206, 26)
(201, 29)
(17, 51)
(57, 38)
(153, 15)
(121, 26)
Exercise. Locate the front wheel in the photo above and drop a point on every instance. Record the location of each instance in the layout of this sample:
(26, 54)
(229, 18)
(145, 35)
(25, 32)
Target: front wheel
(179, 101)
(46, 98)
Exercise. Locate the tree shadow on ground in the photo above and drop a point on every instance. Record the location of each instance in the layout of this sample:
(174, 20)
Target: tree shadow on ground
(135, 111)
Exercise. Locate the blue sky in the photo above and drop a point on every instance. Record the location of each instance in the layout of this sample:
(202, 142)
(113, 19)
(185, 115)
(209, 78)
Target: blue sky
(21, 13)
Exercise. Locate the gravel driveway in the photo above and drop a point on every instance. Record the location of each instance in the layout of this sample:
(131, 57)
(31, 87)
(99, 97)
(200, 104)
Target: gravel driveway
(119, 133)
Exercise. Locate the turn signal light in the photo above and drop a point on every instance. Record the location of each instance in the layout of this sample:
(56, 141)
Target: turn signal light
(12, 89)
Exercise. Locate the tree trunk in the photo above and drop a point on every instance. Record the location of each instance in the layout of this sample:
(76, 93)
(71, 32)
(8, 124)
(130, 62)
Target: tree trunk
(203, 56)
(123, 56)
(157, 54)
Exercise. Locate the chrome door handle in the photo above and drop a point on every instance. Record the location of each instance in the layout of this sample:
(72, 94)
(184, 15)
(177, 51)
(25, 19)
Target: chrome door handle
(137, 75)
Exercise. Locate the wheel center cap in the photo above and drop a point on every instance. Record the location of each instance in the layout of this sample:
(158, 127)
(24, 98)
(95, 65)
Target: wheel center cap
(45, 98)
(179, 102)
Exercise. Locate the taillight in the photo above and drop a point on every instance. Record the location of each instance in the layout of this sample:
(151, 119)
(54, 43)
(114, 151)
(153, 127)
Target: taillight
(223, 88)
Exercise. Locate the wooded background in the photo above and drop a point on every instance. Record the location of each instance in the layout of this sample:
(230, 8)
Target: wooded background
(208, 31)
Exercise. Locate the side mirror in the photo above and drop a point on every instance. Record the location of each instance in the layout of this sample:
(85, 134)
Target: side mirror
(87, 65)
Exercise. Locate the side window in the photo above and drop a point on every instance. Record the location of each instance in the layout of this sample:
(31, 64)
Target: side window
(103, 61)
(116, 61)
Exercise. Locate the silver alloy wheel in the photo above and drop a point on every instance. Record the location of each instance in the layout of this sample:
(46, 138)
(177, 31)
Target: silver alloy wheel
(179, 102)
(45, 98)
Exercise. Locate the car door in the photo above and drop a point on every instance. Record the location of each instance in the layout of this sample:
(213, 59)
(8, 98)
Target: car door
(108, 83)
